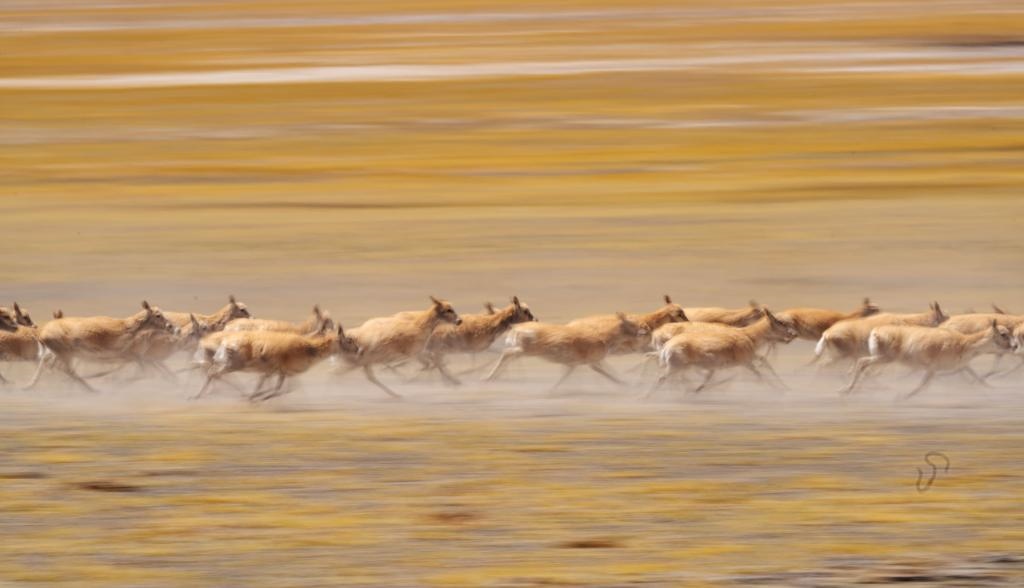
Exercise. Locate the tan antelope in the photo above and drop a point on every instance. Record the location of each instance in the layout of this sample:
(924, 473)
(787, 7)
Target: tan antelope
(387, 340)
(275, 353)
(713, 347)
(310, 325)
(216, 321)
(17, 342)
(968, 324)
(19, 315)
(569, 345)
(848, 339)
(933, 350)
(734, 317)
(811, 323)
(670, 313)
(151, 348)
(476, 333)
(96, 338)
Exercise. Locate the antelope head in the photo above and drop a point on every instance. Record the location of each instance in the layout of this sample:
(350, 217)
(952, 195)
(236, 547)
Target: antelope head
(237, 309)
(445, 312)
(938, 317)
(197, 329)
(779, 330)
(155, 319)
(1002, 337)
(21, 317)
(522, 312)
(868, 309)
(8, 322)
(676, 313)
(347, 344)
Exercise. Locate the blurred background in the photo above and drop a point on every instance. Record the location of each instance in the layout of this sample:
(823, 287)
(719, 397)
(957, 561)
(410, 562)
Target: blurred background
(589, 156)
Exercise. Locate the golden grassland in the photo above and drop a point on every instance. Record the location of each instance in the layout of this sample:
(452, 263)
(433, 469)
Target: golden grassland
(417, 498)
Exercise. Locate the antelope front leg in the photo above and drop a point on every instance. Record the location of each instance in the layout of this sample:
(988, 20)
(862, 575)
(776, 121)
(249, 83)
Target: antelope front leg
(601, 369)
(858, 372)
(276, 390)
(46, 360)
(704, 384)
(764, 364)
(258, 390)
(924, 383)
(373, 379)
(70, 371)
(506, 356)
(569, 369)
(206, 385)
(448, 377)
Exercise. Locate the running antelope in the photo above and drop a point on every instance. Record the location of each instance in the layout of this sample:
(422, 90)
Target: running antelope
(97, 338)
(570, 345)
(810, 323)
(387, 340)
(713, 347)
(932, 350)
(216, 321)
(17, 342)
(275, 353)
(310, 325)
(848, 339)
(734, 317)
(476, 333)
(671, 313)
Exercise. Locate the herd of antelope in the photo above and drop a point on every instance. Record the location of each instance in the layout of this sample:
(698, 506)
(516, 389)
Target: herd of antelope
(680, 339)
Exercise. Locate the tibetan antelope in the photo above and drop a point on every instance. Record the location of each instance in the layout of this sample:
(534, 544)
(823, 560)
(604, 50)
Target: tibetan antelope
(97, 338)
(713, 347)
(967, 324)
(387, 340)
(19, 315)
(216, 321)
(670, 313)
(17, 342)
(310, 325)
(734, 317)
(476, 333)
(810, 323)
(933, 350)
(848, 339)
(275, 353)
(569, 345)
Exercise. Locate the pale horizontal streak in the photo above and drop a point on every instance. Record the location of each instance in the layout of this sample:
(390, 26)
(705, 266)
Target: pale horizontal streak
(966, 62)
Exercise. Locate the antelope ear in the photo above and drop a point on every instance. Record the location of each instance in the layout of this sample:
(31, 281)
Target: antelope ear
(17, 309)
(668, 299)
(622, 316)
(195, 323)
(435, 301)
(146, 305)
(753, 304)
(231, 299)
(341, 331)
(770, 316)
(317, 312)
(515, 301)
(994, 307)
(867, 301)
